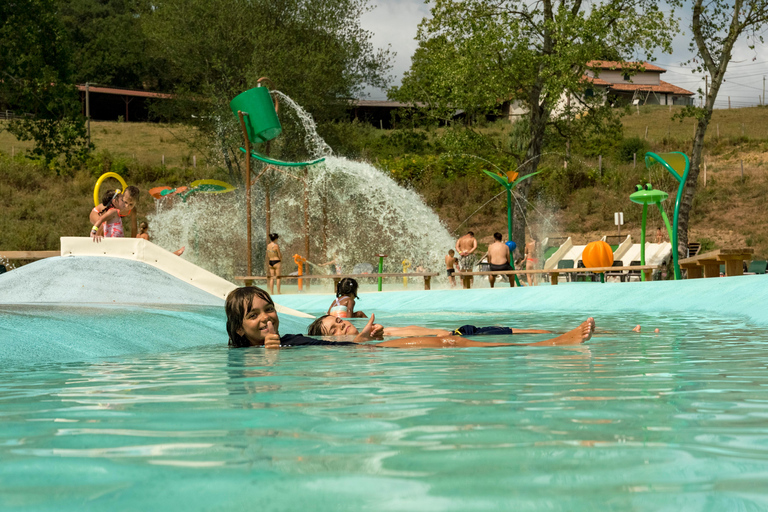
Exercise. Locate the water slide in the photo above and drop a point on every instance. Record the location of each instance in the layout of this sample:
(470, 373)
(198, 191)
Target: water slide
(114, 298)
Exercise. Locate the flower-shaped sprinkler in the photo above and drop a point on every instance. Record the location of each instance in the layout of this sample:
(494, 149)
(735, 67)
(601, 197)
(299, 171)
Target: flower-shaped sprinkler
(510, 180)
(645, 196)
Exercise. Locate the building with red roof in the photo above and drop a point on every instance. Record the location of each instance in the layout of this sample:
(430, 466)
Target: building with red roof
(637, 83)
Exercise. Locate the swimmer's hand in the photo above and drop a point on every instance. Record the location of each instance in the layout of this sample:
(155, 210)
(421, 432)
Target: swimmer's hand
(377, 331)
(272, 340)
(365, 334)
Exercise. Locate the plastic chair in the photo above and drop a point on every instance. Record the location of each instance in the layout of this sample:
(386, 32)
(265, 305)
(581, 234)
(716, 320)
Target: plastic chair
(757, 267)
(566, 264)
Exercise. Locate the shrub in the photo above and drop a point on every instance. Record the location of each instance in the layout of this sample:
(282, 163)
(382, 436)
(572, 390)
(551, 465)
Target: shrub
(630, 147)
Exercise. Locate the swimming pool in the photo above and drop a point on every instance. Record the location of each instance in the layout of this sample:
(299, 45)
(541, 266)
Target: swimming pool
(674, 421)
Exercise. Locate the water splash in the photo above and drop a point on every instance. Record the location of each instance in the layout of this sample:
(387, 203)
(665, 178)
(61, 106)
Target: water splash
(356, 211)
(315, 144)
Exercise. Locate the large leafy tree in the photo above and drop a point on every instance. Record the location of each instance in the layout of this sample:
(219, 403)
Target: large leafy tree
(107, 42)
(716, 26)
(36, 80)
(475, 53)
(315, 52)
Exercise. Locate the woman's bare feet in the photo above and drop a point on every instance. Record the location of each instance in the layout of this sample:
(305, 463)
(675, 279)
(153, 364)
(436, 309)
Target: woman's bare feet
(637, 328)
(575, 336)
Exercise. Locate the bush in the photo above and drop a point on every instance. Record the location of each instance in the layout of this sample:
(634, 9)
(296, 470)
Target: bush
(630, 147)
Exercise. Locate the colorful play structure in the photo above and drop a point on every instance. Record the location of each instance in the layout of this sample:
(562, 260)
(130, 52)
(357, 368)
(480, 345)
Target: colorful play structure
(206, 186)
(257, 114)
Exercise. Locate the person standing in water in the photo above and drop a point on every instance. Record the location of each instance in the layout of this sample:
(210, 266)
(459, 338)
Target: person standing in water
(531, 260)
(498, 258)
(274, 259)
(451, 264)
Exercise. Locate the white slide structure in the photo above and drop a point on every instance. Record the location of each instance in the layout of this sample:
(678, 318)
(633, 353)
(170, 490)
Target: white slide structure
(141, 250)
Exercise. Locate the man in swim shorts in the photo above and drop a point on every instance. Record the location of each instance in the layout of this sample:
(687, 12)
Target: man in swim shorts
(498, 258)
(466, 247)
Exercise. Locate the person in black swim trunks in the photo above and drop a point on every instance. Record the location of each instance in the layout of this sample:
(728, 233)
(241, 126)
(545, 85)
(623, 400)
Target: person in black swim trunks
(498, 258)
(252, 321)
(274, 257)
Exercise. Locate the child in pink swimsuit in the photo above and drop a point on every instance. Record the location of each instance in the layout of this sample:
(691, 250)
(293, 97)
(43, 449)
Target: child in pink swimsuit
(106, 217)
(344, 304)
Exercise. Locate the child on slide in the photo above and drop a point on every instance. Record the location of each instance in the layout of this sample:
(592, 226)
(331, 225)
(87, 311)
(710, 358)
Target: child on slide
(106, 216)
(252, 321)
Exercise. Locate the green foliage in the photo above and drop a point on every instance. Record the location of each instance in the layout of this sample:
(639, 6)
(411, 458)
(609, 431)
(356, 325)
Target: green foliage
(108, 44)
(706, 245)
(630, 147)
(35, 79)
(315, 52)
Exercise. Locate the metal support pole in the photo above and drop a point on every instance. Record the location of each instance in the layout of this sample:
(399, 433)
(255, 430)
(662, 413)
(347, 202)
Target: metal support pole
(249, 268)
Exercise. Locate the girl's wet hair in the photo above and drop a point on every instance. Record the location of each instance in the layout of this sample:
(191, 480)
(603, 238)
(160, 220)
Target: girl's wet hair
(316, 327)
(347, 286)
(239, 303)
(273, 236)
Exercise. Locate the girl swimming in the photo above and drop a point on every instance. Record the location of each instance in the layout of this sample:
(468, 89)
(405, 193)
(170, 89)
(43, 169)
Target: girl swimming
(344, 304)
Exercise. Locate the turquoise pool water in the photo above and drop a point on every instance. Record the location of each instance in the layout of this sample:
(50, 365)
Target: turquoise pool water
(674, 421)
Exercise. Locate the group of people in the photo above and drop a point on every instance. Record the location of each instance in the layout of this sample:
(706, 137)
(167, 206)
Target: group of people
(498, 256)
(252, 321)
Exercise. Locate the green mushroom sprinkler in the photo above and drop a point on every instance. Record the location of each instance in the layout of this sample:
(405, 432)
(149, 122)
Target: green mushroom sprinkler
(678, 165)
(645, 196)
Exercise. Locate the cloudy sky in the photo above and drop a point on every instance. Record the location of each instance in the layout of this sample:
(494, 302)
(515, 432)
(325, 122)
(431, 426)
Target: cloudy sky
(394, 22)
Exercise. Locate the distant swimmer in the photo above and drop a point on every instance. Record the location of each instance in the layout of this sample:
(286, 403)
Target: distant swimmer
(344, 304)
(499, 258)
(252, 321)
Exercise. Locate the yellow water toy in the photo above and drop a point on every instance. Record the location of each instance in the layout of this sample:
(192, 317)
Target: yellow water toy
(406, 266)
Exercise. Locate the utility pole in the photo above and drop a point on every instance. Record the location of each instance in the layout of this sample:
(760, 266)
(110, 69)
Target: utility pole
(88, 112)
(762, 101)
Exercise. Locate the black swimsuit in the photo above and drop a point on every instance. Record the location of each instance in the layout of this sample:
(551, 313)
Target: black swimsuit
(298, 340)
(272, 263)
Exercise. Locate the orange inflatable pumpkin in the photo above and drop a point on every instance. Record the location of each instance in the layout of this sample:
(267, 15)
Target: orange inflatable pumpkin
(597, 254)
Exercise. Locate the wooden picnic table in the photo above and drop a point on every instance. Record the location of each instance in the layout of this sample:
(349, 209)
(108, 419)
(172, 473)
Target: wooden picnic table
(554, 273)
(248, 280)
(710, 262)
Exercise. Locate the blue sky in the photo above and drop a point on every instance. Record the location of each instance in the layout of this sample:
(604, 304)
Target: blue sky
(394, 22)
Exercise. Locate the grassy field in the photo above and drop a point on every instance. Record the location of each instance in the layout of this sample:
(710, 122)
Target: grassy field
(147, 143)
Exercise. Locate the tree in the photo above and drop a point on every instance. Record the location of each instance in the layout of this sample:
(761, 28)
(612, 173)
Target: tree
(35, 79)
(475, 53)
(716, 26)
(315, 52)
(107, 41)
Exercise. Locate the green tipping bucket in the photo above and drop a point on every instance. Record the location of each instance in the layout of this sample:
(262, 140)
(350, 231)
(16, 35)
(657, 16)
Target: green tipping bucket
(261, 123)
